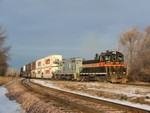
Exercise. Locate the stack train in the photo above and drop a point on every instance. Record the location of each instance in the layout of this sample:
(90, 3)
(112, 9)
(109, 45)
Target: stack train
(107, 66)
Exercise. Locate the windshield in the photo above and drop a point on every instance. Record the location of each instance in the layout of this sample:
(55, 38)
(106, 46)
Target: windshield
(107, 58)
(114, 58)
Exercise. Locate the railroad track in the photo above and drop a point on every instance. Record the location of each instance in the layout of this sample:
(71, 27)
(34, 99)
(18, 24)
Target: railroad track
(81, 103)
(128, 83)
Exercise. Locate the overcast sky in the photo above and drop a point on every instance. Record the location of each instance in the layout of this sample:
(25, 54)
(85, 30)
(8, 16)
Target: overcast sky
(73, 28)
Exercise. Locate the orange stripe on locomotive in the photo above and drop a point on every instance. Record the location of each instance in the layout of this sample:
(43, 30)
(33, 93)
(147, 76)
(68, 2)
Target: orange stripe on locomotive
(101, 64)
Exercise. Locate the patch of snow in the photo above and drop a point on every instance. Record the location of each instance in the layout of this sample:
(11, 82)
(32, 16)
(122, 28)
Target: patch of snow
(128, 93)
(141, 106)
(6, 105)
(45, 84)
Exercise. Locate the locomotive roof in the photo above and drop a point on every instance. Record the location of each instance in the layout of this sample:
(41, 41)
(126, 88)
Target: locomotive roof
(111, 53)
(103, 54)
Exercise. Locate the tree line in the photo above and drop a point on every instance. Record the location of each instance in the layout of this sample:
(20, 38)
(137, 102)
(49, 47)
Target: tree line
(135, 44)
(4, 53)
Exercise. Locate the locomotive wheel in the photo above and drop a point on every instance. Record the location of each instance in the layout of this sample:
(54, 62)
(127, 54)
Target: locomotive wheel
(113, 80)
(84, 78)
(108, 78)
(101, 78)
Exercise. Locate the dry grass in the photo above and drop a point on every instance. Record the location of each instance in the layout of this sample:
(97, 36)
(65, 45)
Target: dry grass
(4, 80)
(30, 101)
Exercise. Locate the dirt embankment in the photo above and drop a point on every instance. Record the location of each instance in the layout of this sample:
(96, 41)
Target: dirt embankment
(32, 102)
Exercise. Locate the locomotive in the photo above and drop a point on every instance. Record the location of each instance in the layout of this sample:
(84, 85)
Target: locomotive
(107, 66)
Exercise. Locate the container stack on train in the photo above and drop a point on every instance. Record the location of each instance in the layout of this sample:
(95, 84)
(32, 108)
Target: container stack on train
(42, 68)
(33, 69)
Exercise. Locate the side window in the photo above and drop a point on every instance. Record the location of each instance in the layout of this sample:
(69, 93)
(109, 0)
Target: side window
(114, 58)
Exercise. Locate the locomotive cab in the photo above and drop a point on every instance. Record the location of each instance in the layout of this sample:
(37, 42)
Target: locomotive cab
(114, 57)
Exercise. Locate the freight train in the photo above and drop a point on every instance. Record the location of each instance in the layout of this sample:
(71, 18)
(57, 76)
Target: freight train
(107, 66)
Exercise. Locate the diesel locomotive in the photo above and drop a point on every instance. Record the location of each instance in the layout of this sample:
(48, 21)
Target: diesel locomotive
(107, 66)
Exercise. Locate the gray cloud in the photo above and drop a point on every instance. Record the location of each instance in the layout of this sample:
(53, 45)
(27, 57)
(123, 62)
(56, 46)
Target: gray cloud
(70, 27)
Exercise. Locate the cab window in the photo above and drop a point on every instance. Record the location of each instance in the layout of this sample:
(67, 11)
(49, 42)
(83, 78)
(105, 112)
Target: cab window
(107, 58)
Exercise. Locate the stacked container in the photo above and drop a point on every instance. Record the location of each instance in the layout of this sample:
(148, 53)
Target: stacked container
(39, 68)
(28, 70)
(51, 64)
(42, 68)
(33, 69)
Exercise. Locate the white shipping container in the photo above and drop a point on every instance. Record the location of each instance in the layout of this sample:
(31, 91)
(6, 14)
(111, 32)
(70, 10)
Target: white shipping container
(39, 73)
(33, 73)
(49, 72)
(52, 60)
(39, 64)
(44, 67)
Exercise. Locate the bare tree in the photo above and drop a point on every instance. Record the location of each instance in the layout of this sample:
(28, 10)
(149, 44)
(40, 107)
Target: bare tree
(145, 53)
(128, 40)
(136, 47)
(4, 55)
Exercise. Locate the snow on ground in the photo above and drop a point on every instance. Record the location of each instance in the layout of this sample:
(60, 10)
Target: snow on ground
(122, 89)
(127, 90)
(6, 105)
